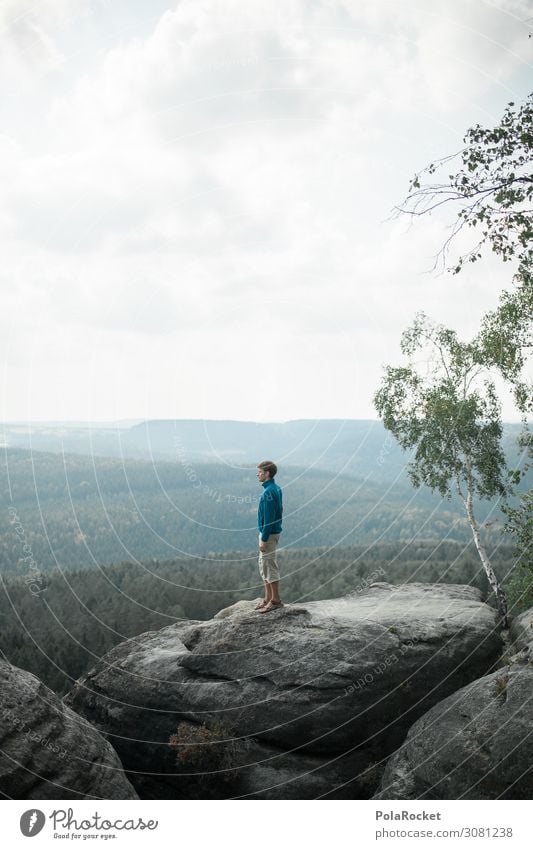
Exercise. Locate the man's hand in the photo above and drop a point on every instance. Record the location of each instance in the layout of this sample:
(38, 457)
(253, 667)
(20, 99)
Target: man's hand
(262, 546)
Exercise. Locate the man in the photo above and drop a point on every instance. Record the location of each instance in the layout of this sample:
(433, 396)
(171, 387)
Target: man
(269, 515)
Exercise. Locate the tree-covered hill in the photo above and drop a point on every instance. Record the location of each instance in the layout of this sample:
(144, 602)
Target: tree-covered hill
(360, 447)
(74, 511)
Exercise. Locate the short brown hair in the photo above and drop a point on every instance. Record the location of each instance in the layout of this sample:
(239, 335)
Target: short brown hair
(268, 466)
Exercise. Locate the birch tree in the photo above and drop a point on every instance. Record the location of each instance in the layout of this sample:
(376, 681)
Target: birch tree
(490, 190)
(442, 404)
(487, 186)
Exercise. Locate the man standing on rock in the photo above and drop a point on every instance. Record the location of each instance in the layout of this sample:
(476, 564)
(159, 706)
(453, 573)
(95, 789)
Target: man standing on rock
(269, 515)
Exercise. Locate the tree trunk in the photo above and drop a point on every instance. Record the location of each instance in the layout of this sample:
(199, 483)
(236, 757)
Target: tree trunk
(501, 598)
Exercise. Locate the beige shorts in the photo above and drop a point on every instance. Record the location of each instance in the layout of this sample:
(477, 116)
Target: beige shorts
(268, 565)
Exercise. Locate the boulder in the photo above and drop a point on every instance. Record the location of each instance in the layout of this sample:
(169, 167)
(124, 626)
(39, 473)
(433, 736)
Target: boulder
(263, 772)
(477, 743)
(47, 751)
(521, 633)
(331, 686)
(274, 774)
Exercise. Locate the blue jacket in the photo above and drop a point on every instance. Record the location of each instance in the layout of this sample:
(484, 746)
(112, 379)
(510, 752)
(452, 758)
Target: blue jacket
(270, 510)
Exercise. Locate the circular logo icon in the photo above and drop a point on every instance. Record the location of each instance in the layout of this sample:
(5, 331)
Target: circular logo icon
(31, 822)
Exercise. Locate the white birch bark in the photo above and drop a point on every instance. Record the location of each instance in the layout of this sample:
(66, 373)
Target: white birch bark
(483, 556)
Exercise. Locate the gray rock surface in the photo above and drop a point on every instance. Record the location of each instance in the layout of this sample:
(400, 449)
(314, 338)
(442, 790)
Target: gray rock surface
(475, 744)
(521, 633)
(47, 751)
(338, 682)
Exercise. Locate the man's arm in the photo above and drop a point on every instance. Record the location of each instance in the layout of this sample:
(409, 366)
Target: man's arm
(269, 515)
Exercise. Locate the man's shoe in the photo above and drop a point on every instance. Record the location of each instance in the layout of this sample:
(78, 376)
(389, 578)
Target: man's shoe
(272, 605)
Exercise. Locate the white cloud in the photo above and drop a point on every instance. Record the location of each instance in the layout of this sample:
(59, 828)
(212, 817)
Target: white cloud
(234, 160)
(27, 46)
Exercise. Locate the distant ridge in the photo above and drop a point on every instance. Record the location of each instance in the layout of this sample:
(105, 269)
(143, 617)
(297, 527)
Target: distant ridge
(360, 447)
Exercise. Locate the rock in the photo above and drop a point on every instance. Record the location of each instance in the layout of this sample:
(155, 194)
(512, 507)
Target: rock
(521, 633)
(264, 772)
(275, 774)
(47, 751)
(476, 744)
(336, 680)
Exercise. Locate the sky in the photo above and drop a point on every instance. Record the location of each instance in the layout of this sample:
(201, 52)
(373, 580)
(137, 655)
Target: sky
(196, 198)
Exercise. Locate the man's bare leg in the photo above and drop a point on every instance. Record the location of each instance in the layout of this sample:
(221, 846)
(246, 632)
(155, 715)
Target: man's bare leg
(266, 598)
(274, 592)
(272, 587)
(274, 600)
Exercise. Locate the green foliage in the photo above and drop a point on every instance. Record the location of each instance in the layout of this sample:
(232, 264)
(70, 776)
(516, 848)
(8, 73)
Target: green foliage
(492, 188)
(520, 525)
(519, 587)
(505, 340)
(492, 192)
(450, 415)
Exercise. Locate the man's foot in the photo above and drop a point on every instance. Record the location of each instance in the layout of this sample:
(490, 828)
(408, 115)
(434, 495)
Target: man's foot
(272, 605)
(262, 603)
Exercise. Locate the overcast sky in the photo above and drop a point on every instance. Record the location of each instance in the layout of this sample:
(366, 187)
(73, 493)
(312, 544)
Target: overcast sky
(195, 198)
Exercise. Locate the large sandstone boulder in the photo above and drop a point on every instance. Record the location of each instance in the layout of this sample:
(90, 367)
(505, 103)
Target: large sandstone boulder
(477, 743)
(46, 751)
(320, 693)
(521, 633)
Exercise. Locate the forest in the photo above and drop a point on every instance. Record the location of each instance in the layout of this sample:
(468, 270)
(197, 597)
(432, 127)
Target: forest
(76, 511)
(61, 623)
